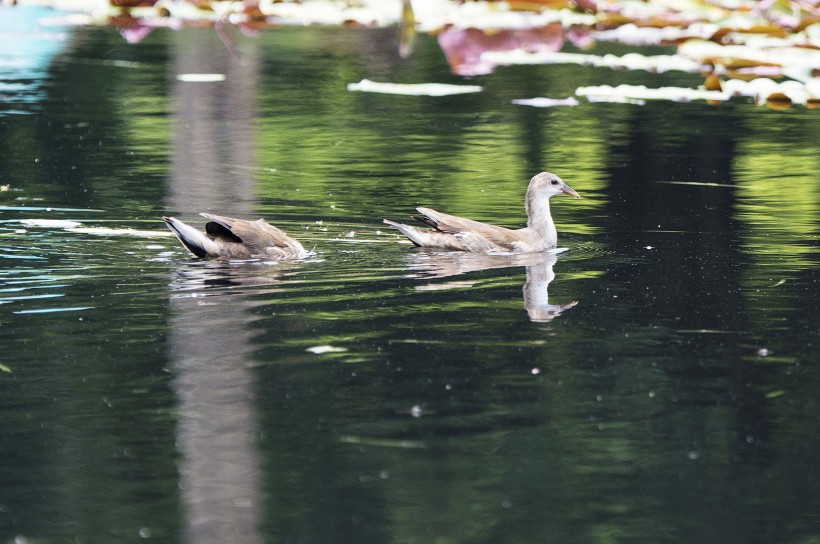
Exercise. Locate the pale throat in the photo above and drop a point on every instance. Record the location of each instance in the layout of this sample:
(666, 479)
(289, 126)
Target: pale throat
(539, 218)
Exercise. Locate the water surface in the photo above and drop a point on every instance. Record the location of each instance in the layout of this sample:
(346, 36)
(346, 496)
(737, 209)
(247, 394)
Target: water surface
(655, 382)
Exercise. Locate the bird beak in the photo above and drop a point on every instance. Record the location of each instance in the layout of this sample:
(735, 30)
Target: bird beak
(567, 190)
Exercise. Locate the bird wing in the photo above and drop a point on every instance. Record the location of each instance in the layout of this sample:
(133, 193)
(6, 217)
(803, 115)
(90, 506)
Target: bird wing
(287, 247)
(477, 243)
(467, 228)
(220, 227)
(259, 236)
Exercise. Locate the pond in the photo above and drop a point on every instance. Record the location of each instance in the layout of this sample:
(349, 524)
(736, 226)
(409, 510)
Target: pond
(656, 382)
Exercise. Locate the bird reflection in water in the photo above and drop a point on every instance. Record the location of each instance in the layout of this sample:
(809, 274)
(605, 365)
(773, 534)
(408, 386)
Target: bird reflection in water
(222, 277)
(539, 269)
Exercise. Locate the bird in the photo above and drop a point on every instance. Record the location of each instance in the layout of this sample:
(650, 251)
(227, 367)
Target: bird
(226, 237)
(460, 234)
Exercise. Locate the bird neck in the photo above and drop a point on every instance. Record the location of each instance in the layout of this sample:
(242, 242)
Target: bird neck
(539, 219)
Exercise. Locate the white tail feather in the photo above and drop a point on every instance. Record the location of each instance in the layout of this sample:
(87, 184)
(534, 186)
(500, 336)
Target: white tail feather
(195, 241)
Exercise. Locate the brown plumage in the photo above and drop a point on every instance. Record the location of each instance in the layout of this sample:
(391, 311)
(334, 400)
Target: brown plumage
(231, 238)
(461, 234)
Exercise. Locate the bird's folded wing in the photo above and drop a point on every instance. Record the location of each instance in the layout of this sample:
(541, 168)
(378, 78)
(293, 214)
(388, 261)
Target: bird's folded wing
(452, 224)
(226, 222)
(219, 227)
(476, 243)
(290, 246)
(259, 236)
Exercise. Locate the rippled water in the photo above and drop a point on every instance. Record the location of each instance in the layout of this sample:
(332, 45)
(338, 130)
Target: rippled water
(656, 381)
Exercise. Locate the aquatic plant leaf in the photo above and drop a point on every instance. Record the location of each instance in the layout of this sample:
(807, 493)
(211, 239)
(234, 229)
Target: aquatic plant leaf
(413, 89)
(712, 83)
(630, 61)
(750, 54)
(641, 92)
(761, 89)
(778, 101)
(435, 16)
(466, 50)
(544, 102)
(376, 13)
(737, 39)
(200, 78)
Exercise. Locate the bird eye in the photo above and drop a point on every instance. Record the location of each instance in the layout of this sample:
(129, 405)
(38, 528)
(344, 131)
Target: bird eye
(554, 182)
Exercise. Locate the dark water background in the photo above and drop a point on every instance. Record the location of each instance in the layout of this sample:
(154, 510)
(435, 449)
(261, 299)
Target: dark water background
(656, 382)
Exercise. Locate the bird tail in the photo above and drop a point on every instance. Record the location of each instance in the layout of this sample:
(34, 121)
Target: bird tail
(194, 241)
(412, 233)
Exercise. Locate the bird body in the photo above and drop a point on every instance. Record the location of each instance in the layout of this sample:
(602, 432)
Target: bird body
(231, 238)
(460, 234)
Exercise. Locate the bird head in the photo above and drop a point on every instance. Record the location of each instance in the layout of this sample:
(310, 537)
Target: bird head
(549, 184)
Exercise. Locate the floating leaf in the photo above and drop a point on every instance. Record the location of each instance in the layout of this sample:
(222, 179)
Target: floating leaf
(761, 89)
(641, 92)
(413, 89)
(630, 61)
(739, 40)
(543, 102)
(200, 78)
(5, 369)
(361, 13)
(778, 101)
(466, 50)
(712, 83)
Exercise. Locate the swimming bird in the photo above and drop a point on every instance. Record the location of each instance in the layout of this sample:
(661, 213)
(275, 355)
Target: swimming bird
(236, 239)
(460, 234)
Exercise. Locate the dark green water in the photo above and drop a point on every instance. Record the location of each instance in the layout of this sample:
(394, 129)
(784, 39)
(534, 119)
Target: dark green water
(375, 393)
